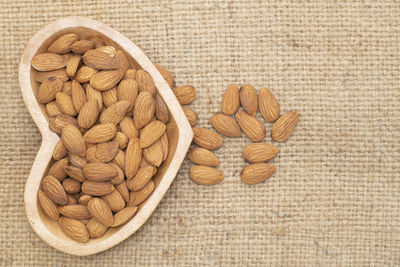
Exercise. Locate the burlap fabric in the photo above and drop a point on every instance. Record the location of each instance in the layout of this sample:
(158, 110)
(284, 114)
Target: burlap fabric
(335, 197)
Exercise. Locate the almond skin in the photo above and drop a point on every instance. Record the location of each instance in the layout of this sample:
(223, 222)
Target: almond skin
(73, 140)
(99, 172)
(41, 76)
(74, 229)
(59, 151)
(54, 190)
(284, 126)
(145, 82)
(48, 206)
(63, 44)
(225, 125)
(154, 154)
(48, 62)
(82, 46)
(133, 158)
(97, 188)
(256, 173)
(78, 95)
(108, 49)
(76, 211)
(99, 60)
(115, 113)
(101, 133)
(65, 104)
(205, 175)
(151, 133)
(124, 216)
(190, 115)
(115, 201)
(96, 229)
(252, 128)
(57, 170)
(206, 138)
(100, 210)
(230, 101)
(142, 177)
(127, 90)
(84, 74)
(269, 106)
(162, 111)
(106, 79)
(204, 157)
(144, 109)
(248, 99)
(88, 114)
(48, 89)
(259, 152)
(185, 94)
(167, 75)
(136, 198)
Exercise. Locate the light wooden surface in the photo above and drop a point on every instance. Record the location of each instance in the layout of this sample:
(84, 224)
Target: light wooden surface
(179, 133)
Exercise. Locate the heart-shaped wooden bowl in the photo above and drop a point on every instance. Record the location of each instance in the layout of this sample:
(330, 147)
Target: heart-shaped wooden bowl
(179, 133)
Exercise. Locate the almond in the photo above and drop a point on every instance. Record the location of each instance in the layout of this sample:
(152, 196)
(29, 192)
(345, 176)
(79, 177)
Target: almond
(88, 114)
(54, 190)
(144, 109)
(230, 101)
(124, 216)
(78, 95)
(114, 113)
(108, 49)
(84, 74)
(122, 140)
(106, 79)
(269, 106)
(91, 154)
(48, 206)
(252, 127)
(72, 65)
(154, 154)
(256, 173)
(82, 46)
(84, 199)
(284, 126)
(206, 138)
(99, 172)
(205, 175)
(204, 157)
(48, 89)
(185, 94)
(97, 188)
(95, 95)
(60, 121)
(190, 115)
(41, 76)
(145, 82)
(225, 125)
(248, 99)
(101, 133)
(52, 109)
(123, 190)
(74, 229)
(136, 198)
(128, 128)
(65, 104)
(142, 177)
(71, 186)
(72, 199)
(76, 160)
(121, 61)
(115, 201)
(100, 210)
(63, 44)
(151, 133)
(109, 97)
(164, 145)
(99, 60)
(120, 174)
(95, 228)
(75, 173)
(57, 169)
(168, 77)
(67, 87)
(77, 211)
(144, 163)
(132, 158)
(106, 152)
(48, 62)
(259, 152)
(130, 74)
(59, 151)
(162, 112)
(73, 140)
(120, 159)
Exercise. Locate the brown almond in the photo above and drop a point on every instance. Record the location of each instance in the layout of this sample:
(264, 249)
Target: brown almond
(48, 62)
(59, 151)
(230, 101)
(154, 154)
(75, 173)
(48, 89)
(256, 173)
(82, 46)
(41, 76)
(114, 113)
(99, 172)
(202, 156)
(88, 115)
(259, 152)
(130, 74)
(128, 128)
(123, 190)
(97, 188)
(96, 229)
(90, 154)
(121, 61)
(84, 199)
(67, 87)
(60, 121)
(57, 169)
(109, 97)
(151, 133)
(106, 152)
(225, 125)
(252, 127)
(108, 49)
(106, 79)
(65, 104)
(54, 190)
(248, 99)
(205, 175)
(133, 157)
(84, 74)
(100, 210)
(101, 133)
(141, 178)
(144, 109)
(72, 65)
(162, 111)
(77, 211)
(206, 138)
(96, 95)
(145, 82)
(120, 174)
(144, 163)
(63, 44)
(71, 186)
(127, 90)
(73, 140)
(120, 159)
(284, 126)
(74, 229)
(52, 109)
(190, 115)
(76, 161)
(72, 199)
(168, 77)
(164, 145)
(124, 216)
(78, 95)
(185, 94)
(136, 198)
(48, 206)
(269, 106)
(115, 201)
(121, 139)
(99, 60)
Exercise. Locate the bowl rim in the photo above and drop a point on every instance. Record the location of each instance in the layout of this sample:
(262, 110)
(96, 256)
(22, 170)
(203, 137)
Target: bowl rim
(50, 139)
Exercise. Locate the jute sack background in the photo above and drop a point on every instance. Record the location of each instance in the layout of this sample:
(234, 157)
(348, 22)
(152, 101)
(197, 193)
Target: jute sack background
(335, 197)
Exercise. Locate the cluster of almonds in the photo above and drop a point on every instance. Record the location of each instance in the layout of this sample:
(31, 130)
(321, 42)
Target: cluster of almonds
(113, 133)
(257, 153)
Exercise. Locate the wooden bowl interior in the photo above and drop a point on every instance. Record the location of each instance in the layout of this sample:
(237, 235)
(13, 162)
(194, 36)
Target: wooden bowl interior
(172, 131)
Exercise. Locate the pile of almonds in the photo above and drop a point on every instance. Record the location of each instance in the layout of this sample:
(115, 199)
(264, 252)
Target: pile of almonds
(113, 133)
(257, 153)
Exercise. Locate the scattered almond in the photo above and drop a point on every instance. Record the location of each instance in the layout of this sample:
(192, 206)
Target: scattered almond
(204, 157)
(269, 106)
(185, 94)
(284, 126)
(190, 115)
(225, 125)
(256, 173)
(259, 152)
(248, 99)
(230, 101)
(206, 138)
(252, 127)
(205, 175)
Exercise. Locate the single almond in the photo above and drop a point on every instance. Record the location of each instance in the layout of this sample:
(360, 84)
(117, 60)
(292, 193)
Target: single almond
(106, 152)
(154, 154)
(72, 65)
(84, 74)
(73, 140)
(123, 190)
(124, 216)
(41, 76)
(99, 60)
(144, 109)
(71, 186)
(101, 133)
(151, 133)
(202, 156)
(284, 126)
(75, 173)
(48, 89)
(82, 46)
(136, 198)
(63, 44)
(121, 139)
(259, 152)
(99, 172)
(54, 190)
(252, 127)
(225, 125)
(120, 174)
(115, 201)
(145, 82)
(59, 151)
(130, 74)
(84, 199)
(128, 128)
(185, 94)
(88, 114)
(91, 154)
(78, 95)
(142, 177)
(164, 145)
(48, 205)
(67, 87)
(95, 95)
(76, 161)
(52, 109)
(206, 138)
(133, 157)
(162, 111)
(48, 62)
(65, 104)
(256, 173)
(190, 115)
(100, 210)
(168, 77)
(120, 159)
(205, 175)
(109, 97)
(77, 211)
(121, 61)
(74, 229)
(97, 188)
(127, 90)
(114, 113)
(57, 169)
(106, 79)
(59, 121)
(248, 99)
(269, 106)
(108, 49)
(96, 229)
(230, 101)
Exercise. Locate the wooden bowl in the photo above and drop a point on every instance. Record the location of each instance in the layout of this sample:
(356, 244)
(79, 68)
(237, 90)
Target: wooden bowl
(179, 133)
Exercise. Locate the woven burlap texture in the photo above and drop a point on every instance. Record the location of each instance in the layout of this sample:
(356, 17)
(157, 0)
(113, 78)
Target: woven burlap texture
(334, 199)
